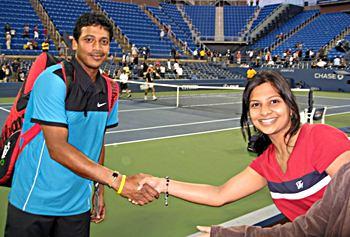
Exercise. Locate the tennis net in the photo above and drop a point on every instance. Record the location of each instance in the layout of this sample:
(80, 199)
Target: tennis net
(193, 95)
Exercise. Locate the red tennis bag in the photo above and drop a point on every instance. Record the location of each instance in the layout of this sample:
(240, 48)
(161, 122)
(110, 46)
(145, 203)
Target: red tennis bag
(10, 147)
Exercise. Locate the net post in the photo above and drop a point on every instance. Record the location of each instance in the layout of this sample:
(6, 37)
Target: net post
(177, 96)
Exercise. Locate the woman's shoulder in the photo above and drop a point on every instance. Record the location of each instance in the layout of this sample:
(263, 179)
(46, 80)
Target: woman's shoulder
(322, 131)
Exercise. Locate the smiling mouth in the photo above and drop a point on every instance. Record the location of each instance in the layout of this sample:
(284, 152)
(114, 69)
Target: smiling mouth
(97, 56)
(267, 121)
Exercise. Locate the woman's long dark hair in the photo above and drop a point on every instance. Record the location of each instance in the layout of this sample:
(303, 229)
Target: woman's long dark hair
(262, 141)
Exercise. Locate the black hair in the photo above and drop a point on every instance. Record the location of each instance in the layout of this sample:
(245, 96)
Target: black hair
(282, 86)
(92, 19)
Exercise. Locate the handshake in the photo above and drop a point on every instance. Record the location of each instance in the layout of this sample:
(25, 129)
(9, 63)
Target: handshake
(141, 189)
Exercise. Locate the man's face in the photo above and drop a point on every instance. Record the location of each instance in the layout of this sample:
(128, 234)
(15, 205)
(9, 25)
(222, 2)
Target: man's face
(92, 47)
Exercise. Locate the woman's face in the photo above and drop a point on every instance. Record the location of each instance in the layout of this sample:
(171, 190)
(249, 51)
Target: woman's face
(268, 111)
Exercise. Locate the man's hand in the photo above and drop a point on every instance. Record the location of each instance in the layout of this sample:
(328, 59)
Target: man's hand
(158, 184)
(205, 231)
(136, 193)
(98, 211)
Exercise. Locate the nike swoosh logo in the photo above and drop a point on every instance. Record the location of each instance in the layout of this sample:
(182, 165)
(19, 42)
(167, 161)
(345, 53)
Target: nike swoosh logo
(100, 105)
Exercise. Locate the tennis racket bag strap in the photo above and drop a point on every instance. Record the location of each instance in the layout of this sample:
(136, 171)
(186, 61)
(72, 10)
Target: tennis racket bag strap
(11, 130)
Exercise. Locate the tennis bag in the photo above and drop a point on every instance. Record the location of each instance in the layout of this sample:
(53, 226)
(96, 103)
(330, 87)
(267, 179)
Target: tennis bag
(10, 146)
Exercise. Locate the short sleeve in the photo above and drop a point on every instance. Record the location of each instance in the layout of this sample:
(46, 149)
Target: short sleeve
(328, 143)
(113, 116)
(257, 164)
(49, 93)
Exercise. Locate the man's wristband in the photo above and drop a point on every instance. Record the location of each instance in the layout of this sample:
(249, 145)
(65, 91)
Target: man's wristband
(121, 186)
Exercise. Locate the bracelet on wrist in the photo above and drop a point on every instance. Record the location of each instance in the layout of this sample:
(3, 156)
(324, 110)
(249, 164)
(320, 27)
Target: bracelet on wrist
(166, 197)
(121, 186)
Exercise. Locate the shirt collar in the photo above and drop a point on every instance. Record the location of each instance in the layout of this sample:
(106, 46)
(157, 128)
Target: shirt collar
(84, 80)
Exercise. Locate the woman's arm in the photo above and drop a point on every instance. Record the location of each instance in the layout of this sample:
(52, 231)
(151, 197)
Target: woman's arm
(243, 184)
(338, 162)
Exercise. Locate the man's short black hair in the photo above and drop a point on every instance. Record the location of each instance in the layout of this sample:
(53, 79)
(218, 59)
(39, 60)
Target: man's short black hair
(92, 19)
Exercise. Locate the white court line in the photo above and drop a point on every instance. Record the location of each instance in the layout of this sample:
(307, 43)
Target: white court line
(337, 106)
(172, 125)
(6, 110)
(173, 136)
(337, 114)
(147, 109)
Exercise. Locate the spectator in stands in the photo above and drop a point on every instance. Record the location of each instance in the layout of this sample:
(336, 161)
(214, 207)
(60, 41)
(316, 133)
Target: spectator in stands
(251, 3)
(202, 54)
(2, 74)
(168, 63)
(135, 54)
(343, 63)
(26, 31)
(8, 39)
(296, 162)
(185, 46)
(36, 32)
(327, 217)
(28, 45)
(13, 33)
(123, 59)
(179, 72)
(312, 54)
(144, 52)
(149, 77)
(307, 55)
(15, 69)
(45, 46)
(336, 61)
(162, 71)
(161, 34)
(195, 53)
(7, 28)
(62, 49)
(238, 57)
(176, 65)
(257, 3)
(321, 63)
(250, 73)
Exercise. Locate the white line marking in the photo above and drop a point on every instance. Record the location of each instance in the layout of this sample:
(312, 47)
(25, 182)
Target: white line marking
(6, 110)
(147, 109)
(338, 106)
(337, 114)
(173, 136)
(172, 125)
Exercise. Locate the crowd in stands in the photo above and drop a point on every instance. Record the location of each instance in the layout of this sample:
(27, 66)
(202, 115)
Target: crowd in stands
(13, 70)
(34, 41)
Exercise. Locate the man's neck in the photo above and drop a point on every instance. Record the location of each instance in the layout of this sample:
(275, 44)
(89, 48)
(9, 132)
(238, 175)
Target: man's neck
(92, 73)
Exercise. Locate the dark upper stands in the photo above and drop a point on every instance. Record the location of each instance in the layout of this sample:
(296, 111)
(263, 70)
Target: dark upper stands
(138, 27)
(318, 33)
(286, 28)
(263, 14)
(236, 19)
(203, 18)
(65, 21)
(168, 14)
(17, 13)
